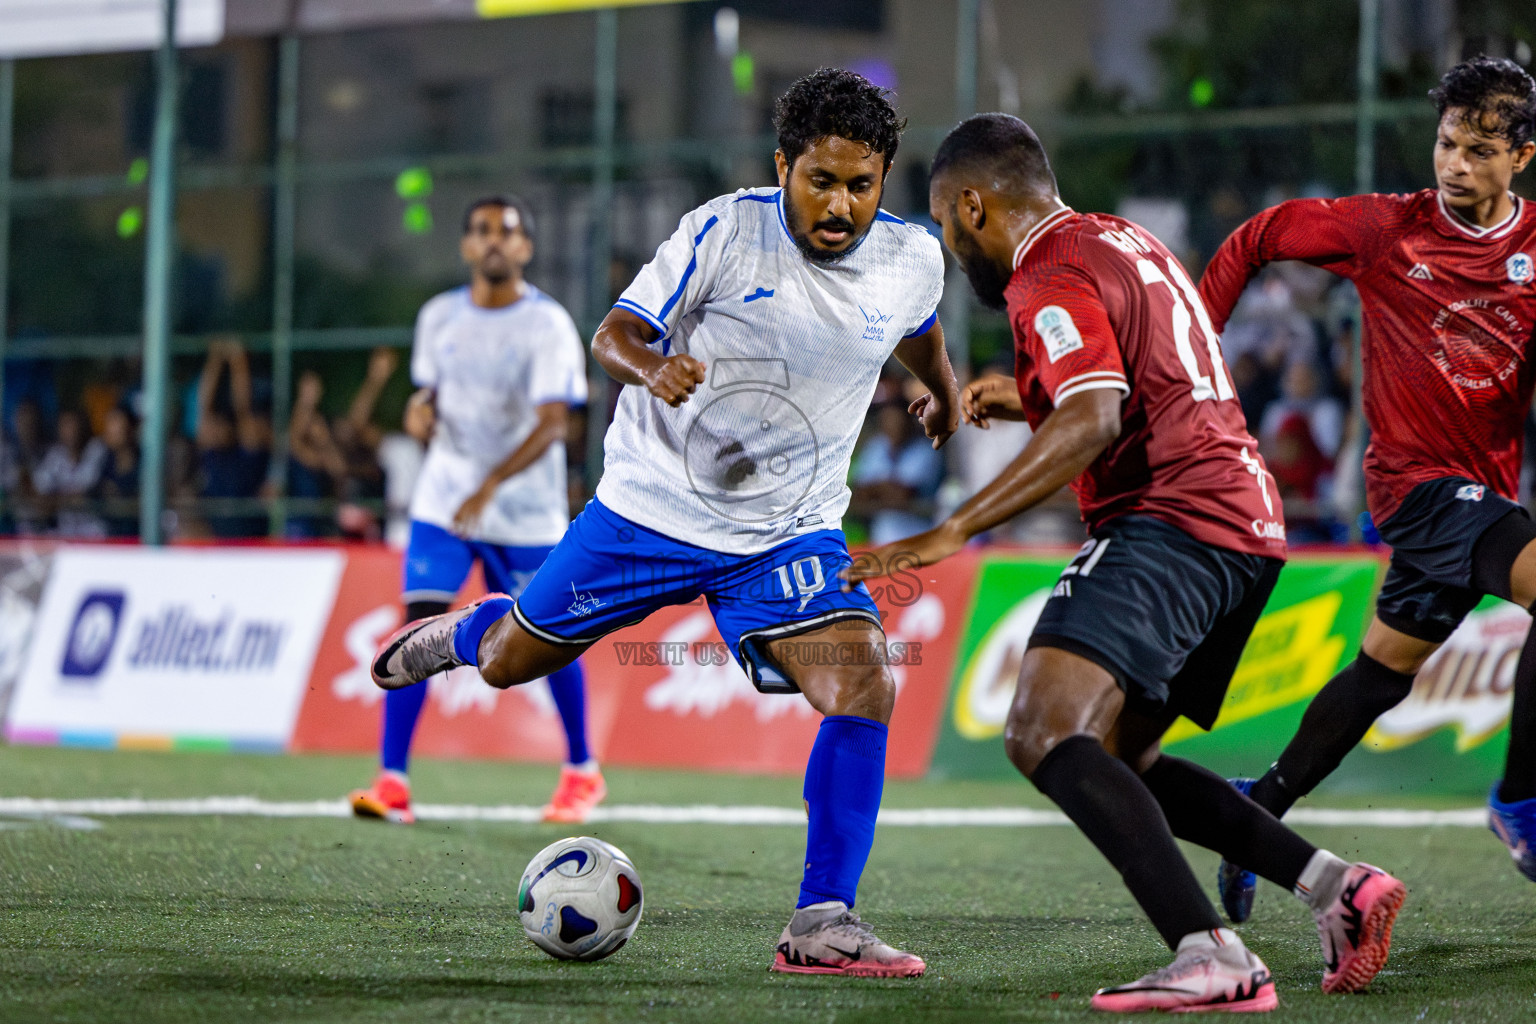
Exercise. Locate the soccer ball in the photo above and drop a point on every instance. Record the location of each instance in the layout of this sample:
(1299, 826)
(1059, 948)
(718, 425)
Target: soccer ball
(580, 899)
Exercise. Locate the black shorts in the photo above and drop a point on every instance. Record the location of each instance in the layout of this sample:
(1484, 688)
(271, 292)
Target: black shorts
(1165, 614)
(1428, 588)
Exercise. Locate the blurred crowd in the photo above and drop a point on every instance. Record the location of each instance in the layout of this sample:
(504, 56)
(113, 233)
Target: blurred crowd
(76, 474)
(1290, 347)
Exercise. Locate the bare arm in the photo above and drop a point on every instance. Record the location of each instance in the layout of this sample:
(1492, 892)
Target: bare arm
(1067, 443)
(208, 382)
(925, 358)
(381, 366)
(551, 427)
(622, 347)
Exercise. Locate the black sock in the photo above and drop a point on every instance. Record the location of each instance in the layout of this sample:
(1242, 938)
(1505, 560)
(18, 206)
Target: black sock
(1203, 808)
(1334, 724)
(1520, 763)
(1114, 809)
(424, 609)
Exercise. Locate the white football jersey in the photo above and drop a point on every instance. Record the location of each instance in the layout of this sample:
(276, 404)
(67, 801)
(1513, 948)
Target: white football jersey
(492, 369)
(792, 349)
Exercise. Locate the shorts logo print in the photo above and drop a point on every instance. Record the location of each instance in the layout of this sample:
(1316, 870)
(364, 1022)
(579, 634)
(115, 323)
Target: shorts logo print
(1471, 492)
(585, 604)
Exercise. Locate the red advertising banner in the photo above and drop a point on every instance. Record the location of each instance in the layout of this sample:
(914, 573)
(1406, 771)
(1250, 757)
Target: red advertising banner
(663, 692)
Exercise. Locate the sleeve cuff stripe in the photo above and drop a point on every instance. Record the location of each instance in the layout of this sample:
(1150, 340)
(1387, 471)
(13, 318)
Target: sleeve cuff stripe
(641, 312)
(1090, 385)
(1111, 374)
(926, 325)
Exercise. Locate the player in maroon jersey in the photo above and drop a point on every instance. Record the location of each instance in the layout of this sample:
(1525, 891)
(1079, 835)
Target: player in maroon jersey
(1120, 373)
(1448, 301)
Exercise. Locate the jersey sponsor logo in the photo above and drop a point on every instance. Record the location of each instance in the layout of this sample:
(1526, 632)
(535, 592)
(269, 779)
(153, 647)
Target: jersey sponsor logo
(1269, 529)
(1520, 268)
(1057, 332)
(761, 293)
(1470, 492)
(1420, 273)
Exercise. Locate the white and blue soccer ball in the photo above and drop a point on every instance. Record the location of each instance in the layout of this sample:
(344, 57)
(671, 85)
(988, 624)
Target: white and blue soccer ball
(580, 899)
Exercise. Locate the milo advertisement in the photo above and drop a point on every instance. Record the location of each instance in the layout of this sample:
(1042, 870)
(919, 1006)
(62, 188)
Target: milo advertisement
(1446, 737)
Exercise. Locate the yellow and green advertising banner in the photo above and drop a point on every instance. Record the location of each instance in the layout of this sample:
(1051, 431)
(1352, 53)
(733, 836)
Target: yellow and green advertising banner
(1448, 736)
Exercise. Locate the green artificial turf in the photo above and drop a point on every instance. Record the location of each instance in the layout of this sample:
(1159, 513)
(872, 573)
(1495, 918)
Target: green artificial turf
(249, 919)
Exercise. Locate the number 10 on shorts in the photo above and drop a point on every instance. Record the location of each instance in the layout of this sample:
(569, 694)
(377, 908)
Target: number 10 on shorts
(807, 577)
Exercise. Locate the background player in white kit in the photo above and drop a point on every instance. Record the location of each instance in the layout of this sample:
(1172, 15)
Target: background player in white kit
(498, 363)
(750, 348)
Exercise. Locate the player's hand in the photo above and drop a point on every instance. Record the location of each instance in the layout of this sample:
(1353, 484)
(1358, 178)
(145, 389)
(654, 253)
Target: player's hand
(925, 548)
(469, 513)
(421, 415)
(991, 397)
(675, 379)
(939, 418)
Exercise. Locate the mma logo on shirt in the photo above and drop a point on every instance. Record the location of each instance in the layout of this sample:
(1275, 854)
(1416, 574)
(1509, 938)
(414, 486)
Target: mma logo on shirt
(1057, 332)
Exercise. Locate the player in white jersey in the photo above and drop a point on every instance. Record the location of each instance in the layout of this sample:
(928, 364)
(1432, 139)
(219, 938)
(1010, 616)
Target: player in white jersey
(749, 349)
(498, 363)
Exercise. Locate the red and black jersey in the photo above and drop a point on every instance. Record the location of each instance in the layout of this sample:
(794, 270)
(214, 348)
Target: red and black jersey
(1097, 302)
(1448, 310)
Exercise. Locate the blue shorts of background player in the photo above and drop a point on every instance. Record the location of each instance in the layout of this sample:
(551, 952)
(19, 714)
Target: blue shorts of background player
(437, 563)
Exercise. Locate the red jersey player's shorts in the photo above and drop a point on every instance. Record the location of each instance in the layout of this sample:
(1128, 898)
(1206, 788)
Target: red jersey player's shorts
(1428, 589)
(1165, 614)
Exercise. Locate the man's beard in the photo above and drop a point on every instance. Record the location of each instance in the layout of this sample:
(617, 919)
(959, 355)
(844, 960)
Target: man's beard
(990, 286)
(809, 249)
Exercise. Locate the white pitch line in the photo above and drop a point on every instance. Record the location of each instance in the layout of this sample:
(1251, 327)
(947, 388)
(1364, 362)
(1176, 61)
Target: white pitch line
(692, 814)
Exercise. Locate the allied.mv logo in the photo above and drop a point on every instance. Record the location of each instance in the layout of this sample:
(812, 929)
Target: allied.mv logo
(92, 634)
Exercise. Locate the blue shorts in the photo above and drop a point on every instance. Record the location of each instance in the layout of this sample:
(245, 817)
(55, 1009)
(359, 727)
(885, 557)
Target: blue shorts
(438, 562)
(608, 572)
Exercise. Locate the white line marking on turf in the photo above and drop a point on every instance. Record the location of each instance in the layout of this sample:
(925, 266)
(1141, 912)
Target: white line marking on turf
(692, 814)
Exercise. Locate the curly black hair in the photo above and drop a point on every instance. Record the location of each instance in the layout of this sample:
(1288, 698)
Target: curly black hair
(832, 101)
(1496, 96)
(1000, 147)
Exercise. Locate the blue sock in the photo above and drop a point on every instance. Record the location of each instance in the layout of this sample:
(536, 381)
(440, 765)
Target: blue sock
(401, 710)
(843, 783)
(569, 688)
(468, 633)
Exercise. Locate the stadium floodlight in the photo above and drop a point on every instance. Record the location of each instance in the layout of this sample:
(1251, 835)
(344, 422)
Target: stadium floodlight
(42, 28)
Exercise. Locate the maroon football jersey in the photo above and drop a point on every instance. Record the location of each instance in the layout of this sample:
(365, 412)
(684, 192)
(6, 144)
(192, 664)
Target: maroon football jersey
(1097, 302)
(1448, 311)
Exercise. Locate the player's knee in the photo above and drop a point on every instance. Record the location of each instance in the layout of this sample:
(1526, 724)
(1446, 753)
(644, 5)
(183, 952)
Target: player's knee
(866, 691)
(1026, 741)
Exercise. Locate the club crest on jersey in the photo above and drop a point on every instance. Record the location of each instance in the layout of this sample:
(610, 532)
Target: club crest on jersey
(1470, 492)
(1520, 268)
(875, 322)
(1057, 332)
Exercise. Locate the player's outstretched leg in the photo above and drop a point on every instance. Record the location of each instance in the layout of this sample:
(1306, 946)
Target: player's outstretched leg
(581, 786)
(1512, 801)
(421, 649)
(389, 797)
(844, 781)
(1334, 724)
(1354, 905)
(1064, 707)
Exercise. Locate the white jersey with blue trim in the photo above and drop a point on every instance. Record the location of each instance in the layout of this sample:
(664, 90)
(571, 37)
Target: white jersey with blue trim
(793, 350)
(492, 369)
